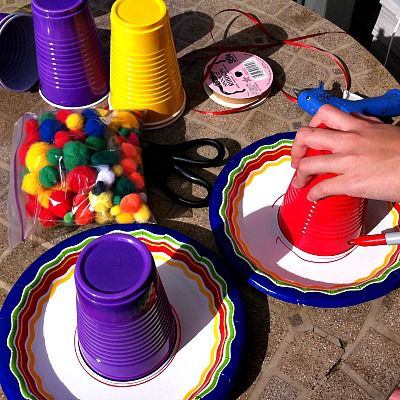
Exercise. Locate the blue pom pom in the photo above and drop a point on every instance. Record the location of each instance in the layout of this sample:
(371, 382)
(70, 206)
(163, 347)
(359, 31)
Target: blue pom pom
(94, 127)
(48, 129)
(88, 113)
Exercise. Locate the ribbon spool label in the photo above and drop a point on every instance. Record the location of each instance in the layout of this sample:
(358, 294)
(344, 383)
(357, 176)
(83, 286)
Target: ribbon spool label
(238, 78)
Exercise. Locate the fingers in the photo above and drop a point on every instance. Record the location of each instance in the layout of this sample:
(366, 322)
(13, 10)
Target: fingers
(367, 118)
(337, 185)
(316, 165)
(336, 119)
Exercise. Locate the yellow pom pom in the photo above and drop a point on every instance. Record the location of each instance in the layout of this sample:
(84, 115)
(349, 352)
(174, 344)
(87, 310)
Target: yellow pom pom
(115, 210)
(143, 214)
(75, 122)
(36, 157)
(31, 184)
(101, 203)
(103, 218)
(118, 170)
(102, 112)
(124, 119)
(44, 198)
(124, 218)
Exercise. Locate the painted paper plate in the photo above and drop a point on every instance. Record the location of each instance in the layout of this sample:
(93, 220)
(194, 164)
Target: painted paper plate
(38, 358)
(243, 214)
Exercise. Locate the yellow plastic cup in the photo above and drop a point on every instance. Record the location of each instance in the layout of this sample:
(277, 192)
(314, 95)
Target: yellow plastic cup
(144, 70)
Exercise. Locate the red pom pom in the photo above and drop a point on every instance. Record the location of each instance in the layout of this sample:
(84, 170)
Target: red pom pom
(32, 130)
(120, 139)
(32, 205)
(80, 200)
(134, 139)
(60, 203)
(23, 149)
(137, 179)
(128, 165)
(62, 115)
(77, 135)
(46, 218)
(130, 203)
(81, 179)
(83, 216)
(60, 138)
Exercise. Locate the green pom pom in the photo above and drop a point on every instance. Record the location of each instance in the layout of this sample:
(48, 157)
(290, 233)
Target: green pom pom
(47, 115)
(125, 132)
(95, 143)
(105, 157)
(48, 176)
(75, 153)
(116, 200)
(54, 156)
(123, 186)
(69, 217)
(24, 172)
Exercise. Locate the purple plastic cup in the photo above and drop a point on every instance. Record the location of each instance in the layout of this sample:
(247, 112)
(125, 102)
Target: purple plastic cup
(72, 67)
(126, 328)
(18, 69)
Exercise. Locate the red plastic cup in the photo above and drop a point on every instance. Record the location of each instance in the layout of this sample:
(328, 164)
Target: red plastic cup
(323, 227)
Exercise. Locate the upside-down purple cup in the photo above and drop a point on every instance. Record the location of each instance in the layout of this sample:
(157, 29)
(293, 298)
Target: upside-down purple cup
(67, 44)
(18, 69)
(126, 328)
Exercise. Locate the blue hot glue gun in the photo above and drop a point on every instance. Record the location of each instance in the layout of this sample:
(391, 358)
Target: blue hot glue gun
(385, 106)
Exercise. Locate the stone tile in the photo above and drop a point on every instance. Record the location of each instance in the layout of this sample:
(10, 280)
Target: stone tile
(13, 105)
(278, 330)
(3, 239)
(192, 26)
(377, 360)
(6, 131)
(389, 314)
(276, 388)
(3, 295)
(4, 178)
(344, 323)
(339, 386)
(261, 125)
(268, 7)
(309, 358)
(298, 17)
(3, 205)
(282, 107)
(373, 84)
(57, 234)
(2, 395)
(182, 4)
(12, 266)
(283, 307)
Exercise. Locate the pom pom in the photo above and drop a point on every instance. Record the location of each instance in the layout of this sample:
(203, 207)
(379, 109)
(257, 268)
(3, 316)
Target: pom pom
(62, 115)
(134, 139)
(32, 130)
(77, 135)
(143, 214)
(31, 184)
(69, 218)
(115, 210)
(48, 176)
(89, 113)
(75, 122)
(99, 188)
(95, 127)
(105, 174)
(128, 165)
(105, 157)
(80, 200)
(124, 218)
(124, 132)
(60, 203)
(81, 178)
(102, 112)
(129, 150)
(60, 138)
(75, 154)
(46, 115)
(54, 156)
(36, 157)
(31, 206)
(83, 216)
(116, 200)
(46, 218)
(137, 179)
(95, 143)
(102, 202)
(22, 151)
(123, 186)
(130, 203)
(119, 140)
(48, 129)
(103, 218)
(44, 198)
(127, 119)
(118, 170)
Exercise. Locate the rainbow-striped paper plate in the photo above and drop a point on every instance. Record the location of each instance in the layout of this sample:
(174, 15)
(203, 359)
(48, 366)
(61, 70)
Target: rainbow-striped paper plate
(39, 357)
(243, 213)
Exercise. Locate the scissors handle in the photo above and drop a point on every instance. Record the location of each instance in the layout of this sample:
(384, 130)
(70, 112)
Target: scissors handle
(179, 153)
(192, 178)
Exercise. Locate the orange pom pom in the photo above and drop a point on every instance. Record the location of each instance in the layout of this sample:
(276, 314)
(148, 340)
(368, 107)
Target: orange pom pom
(129, 150)
(129, 165)
(130, 203)
(137, 179)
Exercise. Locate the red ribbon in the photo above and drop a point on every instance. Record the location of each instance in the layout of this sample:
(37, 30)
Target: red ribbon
(276, 42)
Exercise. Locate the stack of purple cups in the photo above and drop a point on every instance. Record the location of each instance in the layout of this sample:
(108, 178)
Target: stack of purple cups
(71, 63)
(126, 328)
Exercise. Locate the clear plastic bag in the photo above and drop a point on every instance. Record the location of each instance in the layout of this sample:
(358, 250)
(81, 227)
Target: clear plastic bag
(82, 167)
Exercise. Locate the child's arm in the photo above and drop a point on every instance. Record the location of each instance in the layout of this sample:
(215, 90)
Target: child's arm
(365, 156)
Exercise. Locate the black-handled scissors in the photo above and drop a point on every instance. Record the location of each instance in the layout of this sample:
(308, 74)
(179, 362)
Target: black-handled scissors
(163, 160)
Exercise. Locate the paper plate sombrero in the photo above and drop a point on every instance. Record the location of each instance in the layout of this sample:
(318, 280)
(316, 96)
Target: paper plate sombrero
(38, 358)
(243, 214)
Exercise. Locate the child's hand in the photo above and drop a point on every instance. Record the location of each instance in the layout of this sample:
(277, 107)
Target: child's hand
(365, 156)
